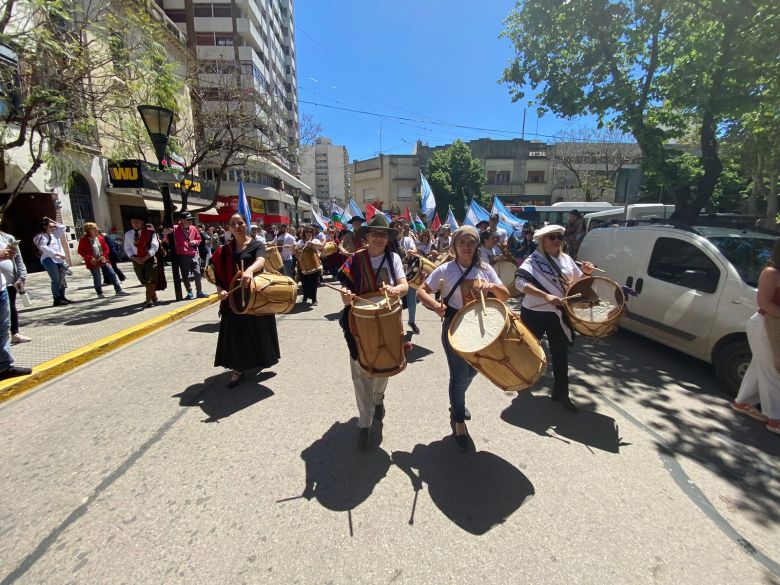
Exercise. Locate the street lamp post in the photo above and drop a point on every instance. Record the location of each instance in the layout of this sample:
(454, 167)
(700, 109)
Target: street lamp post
(158, 122)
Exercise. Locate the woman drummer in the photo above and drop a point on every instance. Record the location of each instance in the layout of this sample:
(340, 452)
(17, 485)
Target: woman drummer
(368, 271)
(309, 282)
(459, 282)
(544, 277)
(424, 244)
(245, 342)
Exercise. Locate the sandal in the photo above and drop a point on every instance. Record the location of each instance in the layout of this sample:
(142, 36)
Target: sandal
(749, 410)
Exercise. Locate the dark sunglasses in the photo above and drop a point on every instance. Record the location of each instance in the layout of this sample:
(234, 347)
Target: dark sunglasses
(555, 237)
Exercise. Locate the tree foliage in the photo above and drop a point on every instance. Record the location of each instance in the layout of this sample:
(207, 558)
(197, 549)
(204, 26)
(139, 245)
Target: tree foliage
(455, 177)
(653, 68)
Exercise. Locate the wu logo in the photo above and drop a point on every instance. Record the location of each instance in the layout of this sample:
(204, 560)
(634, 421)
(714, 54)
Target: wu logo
(124, 173)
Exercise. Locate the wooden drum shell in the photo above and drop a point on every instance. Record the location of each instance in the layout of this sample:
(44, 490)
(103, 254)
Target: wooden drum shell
(593, 323)
(273, 259)
(514, 360)
(269, 294)
(379, 335)
(309, 260)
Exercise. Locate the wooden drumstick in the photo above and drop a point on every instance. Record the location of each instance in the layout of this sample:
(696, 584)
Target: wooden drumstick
(481, 296)
(441, 298)
(339, 290)
(575, 296)
(578, 263)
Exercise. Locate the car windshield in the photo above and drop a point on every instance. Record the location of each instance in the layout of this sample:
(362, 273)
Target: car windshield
(748, 254)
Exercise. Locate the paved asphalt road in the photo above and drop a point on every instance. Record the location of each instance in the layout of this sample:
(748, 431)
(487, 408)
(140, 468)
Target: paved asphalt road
(141, 468)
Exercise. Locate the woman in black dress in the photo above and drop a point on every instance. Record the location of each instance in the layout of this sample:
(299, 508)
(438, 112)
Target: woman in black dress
(245, 342)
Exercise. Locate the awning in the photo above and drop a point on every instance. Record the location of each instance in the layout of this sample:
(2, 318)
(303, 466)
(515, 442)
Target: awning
(211, 211)
(154, 205)
(277, 171)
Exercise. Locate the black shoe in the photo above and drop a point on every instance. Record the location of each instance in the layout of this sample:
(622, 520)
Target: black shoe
(414, 328)
(233, 382)
(379, 411)
(59, 303)
(363, 438)
(15, 371)
(565, 403)
(466, 413)
(67, 301)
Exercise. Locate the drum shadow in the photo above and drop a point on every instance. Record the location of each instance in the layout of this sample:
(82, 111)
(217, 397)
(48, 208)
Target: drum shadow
(340, 476)
(300, 307)
(417, 353)
(219, 402)
(206, 328)
(539, 414)
(476, 490)
(333, 316)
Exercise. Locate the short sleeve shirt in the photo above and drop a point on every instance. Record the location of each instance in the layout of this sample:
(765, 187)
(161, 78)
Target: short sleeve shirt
(385, 276)
(451, 272)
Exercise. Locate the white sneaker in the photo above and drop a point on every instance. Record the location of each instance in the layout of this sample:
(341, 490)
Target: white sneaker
(19, 338)
(101, 296)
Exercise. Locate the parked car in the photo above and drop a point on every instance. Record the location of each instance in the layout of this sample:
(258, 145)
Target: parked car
(695, 287)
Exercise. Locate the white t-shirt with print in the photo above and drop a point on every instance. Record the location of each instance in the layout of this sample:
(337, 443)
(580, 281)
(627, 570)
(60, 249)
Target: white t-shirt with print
(451, 273)
(384, 276)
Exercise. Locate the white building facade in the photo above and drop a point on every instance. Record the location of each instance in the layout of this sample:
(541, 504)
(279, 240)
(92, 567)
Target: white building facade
(325, 167)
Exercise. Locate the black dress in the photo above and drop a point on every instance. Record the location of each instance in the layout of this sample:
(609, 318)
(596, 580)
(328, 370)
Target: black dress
(246, 342)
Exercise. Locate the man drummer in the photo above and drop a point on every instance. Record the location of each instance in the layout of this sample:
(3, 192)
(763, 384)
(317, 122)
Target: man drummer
(544, 277)
(351, 241)
(369, 270)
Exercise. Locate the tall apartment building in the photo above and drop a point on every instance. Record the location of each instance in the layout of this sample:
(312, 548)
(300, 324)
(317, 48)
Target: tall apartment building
(251, 42)
(325, 167)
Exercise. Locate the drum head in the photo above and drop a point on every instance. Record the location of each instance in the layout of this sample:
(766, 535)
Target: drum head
(371, 303)
(473, 329)
(506, 272)
(601, 301)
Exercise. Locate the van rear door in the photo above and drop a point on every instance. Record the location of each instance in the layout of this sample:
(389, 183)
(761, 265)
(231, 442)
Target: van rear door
(678, 294)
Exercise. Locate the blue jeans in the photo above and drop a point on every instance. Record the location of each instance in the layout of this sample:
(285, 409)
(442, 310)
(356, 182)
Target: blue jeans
(57, 288)
(6, 361)
(97, 278)
(411, 304)
(288, 267)
(461, 375)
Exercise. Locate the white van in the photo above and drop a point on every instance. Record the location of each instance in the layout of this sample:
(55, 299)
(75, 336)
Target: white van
(696, 287)
(636, 211)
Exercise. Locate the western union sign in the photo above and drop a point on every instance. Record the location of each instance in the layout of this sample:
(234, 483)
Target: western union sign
(123, 174)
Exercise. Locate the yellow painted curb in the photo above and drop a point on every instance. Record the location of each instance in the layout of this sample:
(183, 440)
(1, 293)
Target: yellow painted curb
(73, 359)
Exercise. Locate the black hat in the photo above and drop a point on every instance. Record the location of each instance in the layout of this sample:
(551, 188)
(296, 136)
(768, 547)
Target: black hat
(483, 222)
(378, 222)
(185, 215)
(357, 218)
(138, 213)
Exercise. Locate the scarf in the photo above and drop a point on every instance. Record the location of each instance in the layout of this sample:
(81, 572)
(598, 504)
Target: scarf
(144, 240)
(546, 275)
(358, 275)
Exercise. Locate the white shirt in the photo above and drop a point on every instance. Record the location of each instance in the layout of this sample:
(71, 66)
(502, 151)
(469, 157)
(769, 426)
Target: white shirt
(424, 249)
(50, 244)
(385, 276)
(451, 272)
(321, 237)
(568, 268)
(286, 243)
(128, 243)
(488, 254)
(407, 244)
(501, 233)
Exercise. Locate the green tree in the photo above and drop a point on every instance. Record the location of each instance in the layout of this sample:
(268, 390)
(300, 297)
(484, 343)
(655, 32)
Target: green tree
(653, 68)
(455, 177)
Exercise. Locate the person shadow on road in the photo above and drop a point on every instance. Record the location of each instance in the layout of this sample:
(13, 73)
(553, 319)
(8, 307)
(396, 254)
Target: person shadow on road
(218, 402)
(476, 490)
(338, 475)
(539, 415)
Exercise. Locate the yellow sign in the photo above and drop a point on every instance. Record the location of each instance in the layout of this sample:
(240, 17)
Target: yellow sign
(189, 186)
(124, 173)
(257, 205)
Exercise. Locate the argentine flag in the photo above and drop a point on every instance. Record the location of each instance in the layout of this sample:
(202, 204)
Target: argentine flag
(243, 204)
(451, 220)
(318, 219)
(428, 203)
(353, 210)
(505, 216)
(475, 214)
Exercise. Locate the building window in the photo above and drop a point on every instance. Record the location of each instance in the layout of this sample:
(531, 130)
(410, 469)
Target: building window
(502, 177)
(222, 10)
(206, 39)
(535, 177)
(176, 15)
(223, 40)
(202, 10)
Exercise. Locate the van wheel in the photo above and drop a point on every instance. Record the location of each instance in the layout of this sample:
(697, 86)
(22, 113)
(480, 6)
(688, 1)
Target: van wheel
(731, 363)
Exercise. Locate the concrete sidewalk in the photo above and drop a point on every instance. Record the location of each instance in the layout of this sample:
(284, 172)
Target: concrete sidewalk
(57, 331)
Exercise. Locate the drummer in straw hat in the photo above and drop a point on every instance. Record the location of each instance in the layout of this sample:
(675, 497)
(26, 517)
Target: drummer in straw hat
(544, 277)
(459, 282)
(369, 270)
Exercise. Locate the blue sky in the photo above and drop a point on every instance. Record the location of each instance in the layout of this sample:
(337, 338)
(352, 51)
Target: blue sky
(430, 60)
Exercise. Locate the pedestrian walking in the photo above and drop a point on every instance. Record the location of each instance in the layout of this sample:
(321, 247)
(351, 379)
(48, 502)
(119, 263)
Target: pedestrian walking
(113, 256)
(761, 383)
(15, 279)
(371, 269)
(48, 243)
(141, 244)
(286, 244)
(186, 238)
(544, 277)
(459, 281)
(94, 250)
(7, 367)
(245, 342)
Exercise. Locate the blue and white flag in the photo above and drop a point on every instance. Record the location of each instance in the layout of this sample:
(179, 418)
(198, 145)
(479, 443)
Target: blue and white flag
(428, 201)
(451, 220)
(354, 210)
(505, 216)
(243, 204)
(475, 214)
(388, 216)
(318, 219)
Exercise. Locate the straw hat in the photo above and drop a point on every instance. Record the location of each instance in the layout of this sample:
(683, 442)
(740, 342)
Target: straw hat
(547, 230)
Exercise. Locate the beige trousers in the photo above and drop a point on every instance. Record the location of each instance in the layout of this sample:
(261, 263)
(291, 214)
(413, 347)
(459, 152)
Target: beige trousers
(368, 392)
